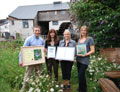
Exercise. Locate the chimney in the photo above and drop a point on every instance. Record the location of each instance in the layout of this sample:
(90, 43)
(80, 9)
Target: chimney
(58, 2)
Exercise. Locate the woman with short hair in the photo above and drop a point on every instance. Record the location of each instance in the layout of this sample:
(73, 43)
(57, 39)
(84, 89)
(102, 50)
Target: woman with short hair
(66, 65)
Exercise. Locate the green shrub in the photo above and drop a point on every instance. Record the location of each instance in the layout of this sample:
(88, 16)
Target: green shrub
(102, 20)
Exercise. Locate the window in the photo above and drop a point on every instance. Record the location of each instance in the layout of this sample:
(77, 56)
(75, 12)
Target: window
(62, 12)
(25, 24)
(6, 27)
(12, 22)
(55, 12)
(55, 22)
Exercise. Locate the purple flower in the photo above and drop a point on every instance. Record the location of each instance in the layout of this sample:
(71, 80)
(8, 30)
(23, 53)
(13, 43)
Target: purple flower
(97, 27)
(104, 43)
(115, 16)
(113, 38)
(94, 35)
(102, 22)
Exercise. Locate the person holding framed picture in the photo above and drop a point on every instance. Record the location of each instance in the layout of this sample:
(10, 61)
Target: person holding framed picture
(66, 65)
(85, 47)
(33, 40)
(51, 44)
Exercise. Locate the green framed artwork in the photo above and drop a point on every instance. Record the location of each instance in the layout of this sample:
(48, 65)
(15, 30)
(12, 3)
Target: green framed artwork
(32, 55)
(81, 49)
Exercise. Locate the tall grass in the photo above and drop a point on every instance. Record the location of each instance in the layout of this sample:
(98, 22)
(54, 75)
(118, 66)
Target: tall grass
(9, 67)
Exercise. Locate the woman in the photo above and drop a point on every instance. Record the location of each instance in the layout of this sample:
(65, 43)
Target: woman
(51, 62)
(66, 66)
(83, 59)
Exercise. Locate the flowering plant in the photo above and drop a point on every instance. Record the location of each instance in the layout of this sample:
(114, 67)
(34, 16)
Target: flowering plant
(102, 20)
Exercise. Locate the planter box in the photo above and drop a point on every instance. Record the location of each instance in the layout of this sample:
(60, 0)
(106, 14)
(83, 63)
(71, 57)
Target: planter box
(112, 54)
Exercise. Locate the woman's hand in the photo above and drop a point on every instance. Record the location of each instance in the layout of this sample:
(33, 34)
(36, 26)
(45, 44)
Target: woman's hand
(82, 55)
(45, 50)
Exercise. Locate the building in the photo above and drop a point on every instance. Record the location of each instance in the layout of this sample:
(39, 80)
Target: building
(4, 29)
(48, 16)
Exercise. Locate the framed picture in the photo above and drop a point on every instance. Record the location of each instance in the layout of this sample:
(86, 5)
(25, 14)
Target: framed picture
(81, 49)
(32, 55)
(65, 53)
(51, 52)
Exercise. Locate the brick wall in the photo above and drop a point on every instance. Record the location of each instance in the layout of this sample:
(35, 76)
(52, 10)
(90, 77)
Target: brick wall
(112, 54)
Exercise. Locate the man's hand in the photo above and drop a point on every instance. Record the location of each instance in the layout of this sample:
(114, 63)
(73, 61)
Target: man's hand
(20, 64)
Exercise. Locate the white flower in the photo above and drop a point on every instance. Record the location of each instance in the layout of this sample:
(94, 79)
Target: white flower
(37, 80)
(31, 89)
(94, 87)
(27, 79)
(99, 59)
(52, 90)
(100, 18)
(61, 85)
(115, 65)
(47, 76)
(37, 90)
(91, 71)
(16, 77)
(33, 83)
(40, 84)
(57, 86)
(53, 81)
(90, 78)
(94, 56)
(60, 90)
(30, 80)
(118, 67)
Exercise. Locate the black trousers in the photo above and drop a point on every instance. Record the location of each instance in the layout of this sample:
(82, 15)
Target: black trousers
(66, 67)
(52, 63)
(82, 79)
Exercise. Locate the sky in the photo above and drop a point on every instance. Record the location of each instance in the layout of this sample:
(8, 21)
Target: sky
(7, 6)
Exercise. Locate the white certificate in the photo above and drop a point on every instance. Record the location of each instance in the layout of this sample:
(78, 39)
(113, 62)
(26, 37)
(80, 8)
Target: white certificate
(51, 52)
(65, 53)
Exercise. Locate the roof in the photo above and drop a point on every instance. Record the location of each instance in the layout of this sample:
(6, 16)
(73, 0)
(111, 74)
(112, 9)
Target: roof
(30, 11)
(3, 22)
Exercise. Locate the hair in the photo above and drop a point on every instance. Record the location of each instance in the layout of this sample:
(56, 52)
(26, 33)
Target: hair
(36, 26)
(49, 37)
(86, 28)
(67, 31)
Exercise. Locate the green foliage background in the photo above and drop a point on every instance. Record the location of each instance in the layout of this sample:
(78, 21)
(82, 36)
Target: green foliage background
(102, 17)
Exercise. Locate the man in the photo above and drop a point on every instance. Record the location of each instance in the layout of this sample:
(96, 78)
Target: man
(34, 40)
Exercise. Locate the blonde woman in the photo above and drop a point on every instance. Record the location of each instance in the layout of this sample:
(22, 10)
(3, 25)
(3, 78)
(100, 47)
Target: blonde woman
(83, 59)
(66, 66)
